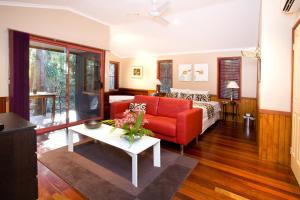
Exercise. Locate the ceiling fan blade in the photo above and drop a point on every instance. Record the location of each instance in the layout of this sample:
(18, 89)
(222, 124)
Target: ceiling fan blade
(162, 20)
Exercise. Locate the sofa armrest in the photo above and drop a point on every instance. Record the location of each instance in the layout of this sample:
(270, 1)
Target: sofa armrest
(118, 107)
(189, 125)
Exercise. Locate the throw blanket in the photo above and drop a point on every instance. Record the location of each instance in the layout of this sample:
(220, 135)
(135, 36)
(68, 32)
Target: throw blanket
(209, 108)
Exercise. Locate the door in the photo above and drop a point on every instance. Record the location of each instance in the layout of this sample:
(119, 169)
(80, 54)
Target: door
(295, 150)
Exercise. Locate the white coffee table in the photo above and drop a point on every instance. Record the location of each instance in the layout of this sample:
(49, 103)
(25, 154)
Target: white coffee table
(104, 134)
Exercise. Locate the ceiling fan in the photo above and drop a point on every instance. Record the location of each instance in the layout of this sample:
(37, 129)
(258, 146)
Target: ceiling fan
(156, 12)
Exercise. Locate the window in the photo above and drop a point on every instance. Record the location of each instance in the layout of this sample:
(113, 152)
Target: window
(164, 74)
(229, 69)
(113, 75)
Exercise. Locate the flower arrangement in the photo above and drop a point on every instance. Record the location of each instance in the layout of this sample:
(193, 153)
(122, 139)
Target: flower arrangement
(132, 123)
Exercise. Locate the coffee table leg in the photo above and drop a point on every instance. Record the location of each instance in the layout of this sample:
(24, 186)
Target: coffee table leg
(134, 169)
(70, 140)
(156, 154)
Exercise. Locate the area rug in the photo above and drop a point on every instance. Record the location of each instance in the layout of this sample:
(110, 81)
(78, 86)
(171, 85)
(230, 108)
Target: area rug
(99, 171)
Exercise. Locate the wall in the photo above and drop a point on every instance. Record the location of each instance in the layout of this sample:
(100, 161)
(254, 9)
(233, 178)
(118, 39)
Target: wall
(276, 49)
(149, 63)
(274, 116)
(57, 24)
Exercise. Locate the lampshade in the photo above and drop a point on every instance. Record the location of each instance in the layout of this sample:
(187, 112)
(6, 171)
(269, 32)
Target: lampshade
(157, 82)
(232, 85)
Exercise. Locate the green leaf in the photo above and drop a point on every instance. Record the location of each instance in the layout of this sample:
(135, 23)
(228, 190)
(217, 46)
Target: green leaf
(139, 121)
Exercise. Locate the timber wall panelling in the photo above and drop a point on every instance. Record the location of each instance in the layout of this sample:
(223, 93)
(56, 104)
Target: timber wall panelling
(4, 104)
(275, 136)
(246, 105)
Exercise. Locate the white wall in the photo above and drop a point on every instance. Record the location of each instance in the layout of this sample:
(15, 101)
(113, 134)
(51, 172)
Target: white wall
(276, 47)
(149, 63)
(57, 24)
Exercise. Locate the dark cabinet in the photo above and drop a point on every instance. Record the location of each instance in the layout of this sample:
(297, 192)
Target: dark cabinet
(18, 159)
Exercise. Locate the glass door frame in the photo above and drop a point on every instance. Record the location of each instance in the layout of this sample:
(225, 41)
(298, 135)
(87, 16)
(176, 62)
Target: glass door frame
(68, 46)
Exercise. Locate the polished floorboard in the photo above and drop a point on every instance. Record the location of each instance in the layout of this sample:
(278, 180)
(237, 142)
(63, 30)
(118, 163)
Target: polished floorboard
(228, 168)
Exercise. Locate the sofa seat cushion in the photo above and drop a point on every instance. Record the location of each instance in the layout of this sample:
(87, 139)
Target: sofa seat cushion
(162, 125)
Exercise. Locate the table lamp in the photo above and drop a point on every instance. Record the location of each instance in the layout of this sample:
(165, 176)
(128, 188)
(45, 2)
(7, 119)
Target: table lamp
(157, 83)
(232, 85)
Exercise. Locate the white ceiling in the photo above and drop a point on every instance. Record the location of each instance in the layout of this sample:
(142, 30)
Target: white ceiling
(196, 25)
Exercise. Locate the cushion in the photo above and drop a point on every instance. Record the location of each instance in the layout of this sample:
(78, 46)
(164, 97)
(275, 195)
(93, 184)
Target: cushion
(170, 107)
(162, 125)
(198, 91)
(178, 90)
(172, 94)
(137, 106)
(201, 97)
(185, 96)
(148, 117)
(150, 101)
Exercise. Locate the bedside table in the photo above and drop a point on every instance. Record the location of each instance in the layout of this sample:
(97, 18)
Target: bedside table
(234, 111)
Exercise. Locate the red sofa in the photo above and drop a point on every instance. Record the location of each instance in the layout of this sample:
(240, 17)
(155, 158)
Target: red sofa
(170, 119)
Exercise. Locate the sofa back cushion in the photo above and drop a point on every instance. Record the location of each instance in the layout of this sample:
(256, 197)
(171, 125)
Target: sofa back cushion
(150, 101)
(170, 107)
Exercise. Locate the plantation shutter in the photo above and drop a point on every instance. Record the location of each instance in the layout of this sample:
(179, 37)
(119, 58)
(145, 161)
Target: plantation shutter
(165, 75)
(229, 70)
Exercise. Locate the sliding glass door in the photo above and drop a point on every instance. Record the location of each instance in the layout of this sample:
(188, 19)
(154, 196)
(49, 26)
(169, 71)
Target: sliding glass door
(65, 84)
(47, 84)
(85, 84)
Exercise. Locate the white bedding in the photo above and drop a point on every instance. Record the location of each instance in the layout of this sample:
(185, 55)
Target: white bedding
(117, 98)
(206, 122)
(215, 104)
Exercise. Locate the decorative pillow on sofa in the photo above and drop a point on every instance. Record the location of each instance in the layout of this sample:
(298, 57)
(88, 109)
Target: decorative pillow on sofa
(186, 96)
(137, 106)
(172, 94)
(201, 97)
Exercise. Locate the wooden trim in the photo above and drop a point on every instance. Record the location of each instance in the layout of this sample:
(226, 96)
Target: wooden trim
(274, 112)
(62, 43)
(3, 101)
(158, 72)
(218, 76)
(250, 98)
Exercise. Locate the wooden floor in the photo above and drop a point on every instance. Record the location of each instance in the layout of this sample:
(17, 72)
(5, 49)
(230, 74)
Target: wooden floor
(228, 169)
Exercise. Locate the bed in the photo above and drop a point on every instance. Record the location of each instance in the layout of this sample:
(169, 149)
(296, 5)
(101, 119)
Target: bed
(201, 99)
(207, 120)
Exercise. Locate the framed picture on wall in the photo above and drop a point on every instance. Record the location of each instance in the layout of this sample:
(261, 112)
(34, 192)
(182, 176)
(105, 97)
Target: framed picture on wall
(185, 72)
(200, 72)
(137, 72)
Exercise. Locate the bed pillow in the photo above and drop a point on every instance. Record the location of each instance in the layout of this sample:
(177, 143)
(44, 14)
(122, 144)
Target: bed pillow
(198, 92)
(186, 96)
(172, 94)
(137, 107)
(201, 97)
(178, 90)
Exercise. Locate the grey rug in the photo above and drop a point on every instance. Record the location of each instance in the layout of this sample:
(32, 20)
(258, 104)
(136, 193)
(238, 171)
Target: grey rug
(100, 171)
